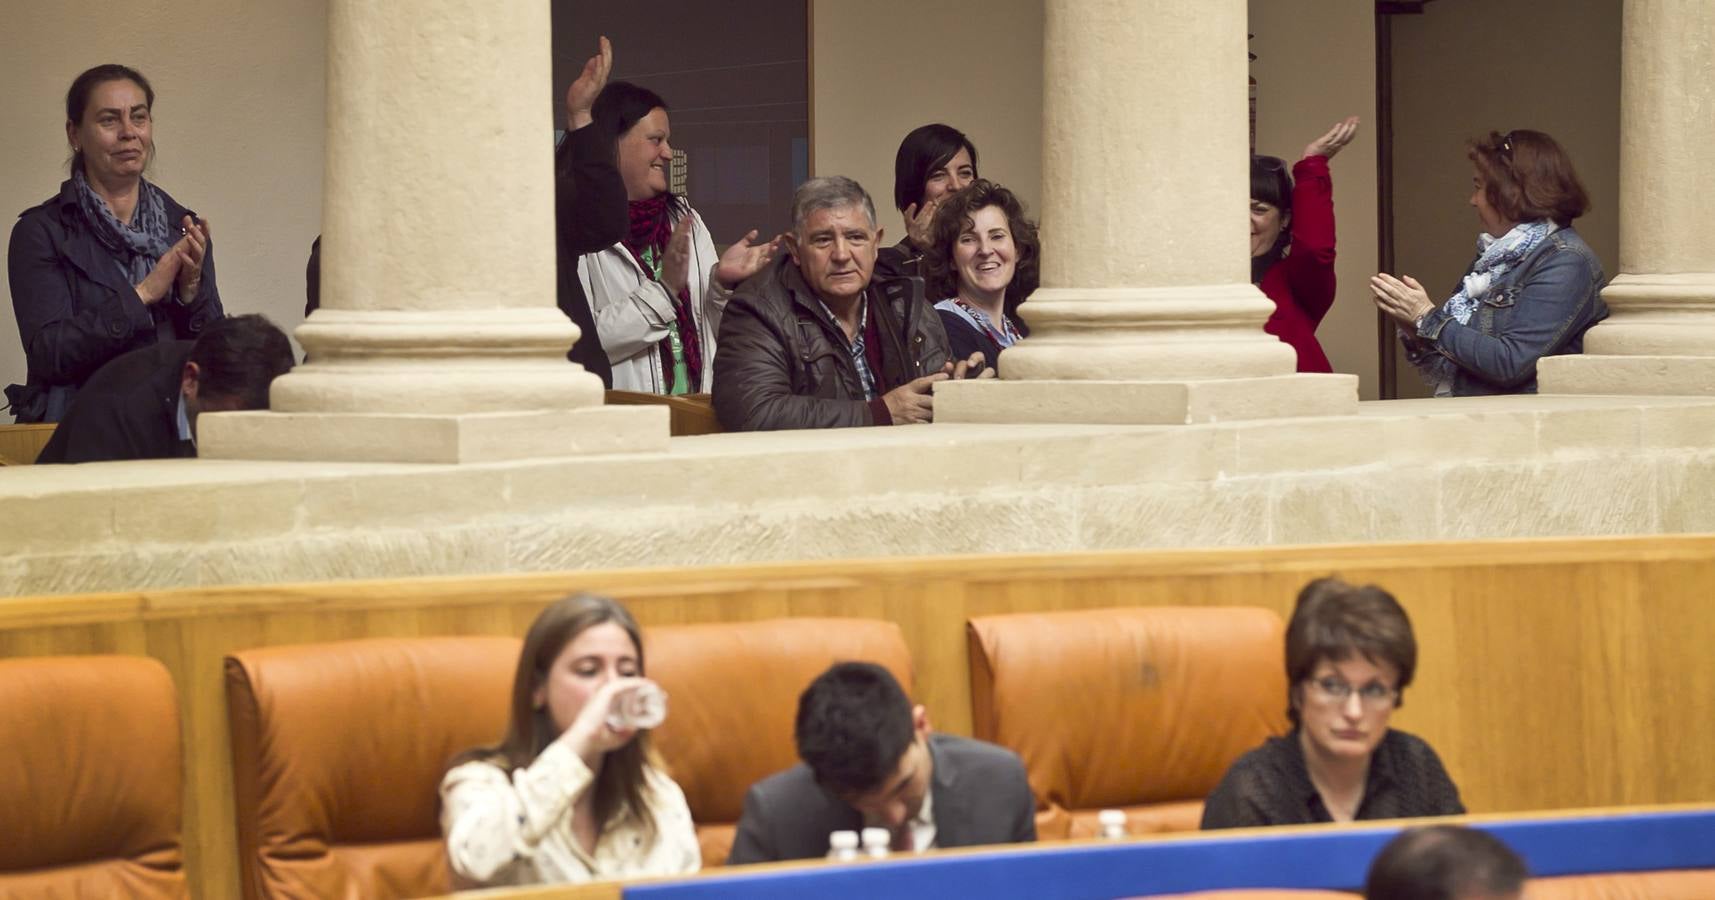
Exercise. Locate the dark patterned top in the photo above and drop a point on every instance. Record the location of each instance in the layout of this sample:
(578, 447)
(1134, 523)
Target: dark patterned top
(1271, 786)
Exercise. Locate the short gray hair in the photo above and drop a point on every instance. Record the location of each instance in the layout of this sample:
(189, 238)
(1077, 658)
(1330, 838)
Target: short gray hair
(829, 192)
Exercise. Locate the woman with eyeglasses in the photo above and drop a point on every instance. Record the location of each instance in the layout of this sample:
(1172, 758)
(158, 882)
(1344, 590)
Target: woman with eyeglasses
(1533, 290)
(1292, 241)
(1349, 655)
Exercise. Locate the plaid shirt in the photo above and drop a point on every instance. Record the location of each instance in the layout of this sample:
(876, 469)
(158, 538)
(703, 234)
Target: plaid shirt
(856, 348)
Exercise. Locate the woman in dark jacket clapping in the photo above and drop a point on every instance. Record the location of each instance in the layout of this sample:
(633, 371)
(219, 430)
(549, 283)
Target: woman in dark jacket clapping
(111, 263)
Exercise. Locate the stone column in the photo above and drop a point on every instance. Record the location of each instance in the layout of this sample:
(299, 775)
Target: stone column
(1660, 338)
(1146, 313)
(438, 338)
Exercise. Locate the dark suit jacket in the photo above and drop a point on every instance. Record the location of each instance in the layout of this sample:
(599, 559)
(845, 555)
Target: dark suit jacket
(979, 796)
(129, 409)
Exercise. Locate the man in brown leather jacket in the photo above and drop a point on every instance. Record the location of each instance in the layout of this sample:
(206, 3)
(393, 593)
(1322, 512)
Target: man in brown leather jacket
(813, 342)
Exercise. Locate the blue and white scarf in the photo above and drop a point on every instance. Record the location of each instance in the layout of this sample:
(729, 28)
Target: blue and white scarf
(135, 247)
(1496, 258)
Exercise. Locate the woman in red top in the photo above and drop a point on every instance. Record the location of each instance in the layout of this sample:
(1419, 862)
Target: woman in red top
(1292, 242)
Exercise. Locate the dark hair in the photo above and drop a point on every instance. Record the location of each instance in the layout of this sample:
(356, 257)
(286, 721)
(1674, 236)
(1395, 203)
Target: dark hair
(1271, 183)
(621, 104)
(955, 216)
(854, 723)
(1333, 621)
(77, 97)
(1527, 176)
(1444, 862)
(240, 356)
(529, 730)
(924, 150)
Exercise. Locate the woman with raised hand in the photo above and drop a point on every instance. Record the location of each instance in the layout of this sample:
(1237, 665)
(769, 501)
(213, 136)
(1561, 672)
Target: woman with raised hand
(111, 263)
(1534, 289)
(572, 793)
(657, 295)
(933, 163)
(1292, 241)
(983, 261)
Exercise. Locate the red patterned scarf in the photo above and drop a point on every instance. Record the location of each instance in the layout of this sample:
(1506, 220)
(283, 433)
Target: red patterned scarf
(651, 227)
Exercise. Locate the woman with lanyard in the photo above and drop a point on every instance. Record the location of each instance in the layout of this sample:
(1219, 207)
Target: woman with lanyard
(110, 263)
(984, 259)
(657, 295)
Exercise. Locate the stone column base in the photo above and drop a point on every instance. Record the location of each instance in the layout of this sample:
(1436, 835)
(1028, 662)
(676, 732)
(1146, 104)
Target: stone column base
(432, 438)
(1691, 376)
(990, 401)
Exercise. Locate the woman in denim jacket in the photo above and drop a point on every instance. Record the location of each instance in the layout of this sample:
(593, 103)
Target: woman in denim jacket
(1533, 290)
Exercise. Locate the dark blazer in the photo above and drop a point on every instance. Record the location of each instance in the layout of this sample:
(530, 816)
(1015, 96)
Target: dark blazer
(128, 410)
(76, 310)
(781, 361)
(979, 796)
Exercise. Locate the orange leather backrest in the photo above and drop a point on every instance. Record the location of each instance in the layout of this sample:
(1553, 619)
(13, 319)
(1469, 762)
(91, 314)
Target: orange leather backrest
(91, 777)
(338, 751)
(733, 695)
(1683, 884)
(1120, 707)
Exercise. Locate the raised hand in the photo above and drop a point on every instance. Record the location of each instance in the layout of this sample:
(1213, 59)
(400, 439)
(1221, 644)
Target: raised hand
(580, 97)
(1335, 140)
(744, 259)
(160, 280)
(918, 222)
(193, 247)
(676, 261)
(589, 734)
(1403, 299)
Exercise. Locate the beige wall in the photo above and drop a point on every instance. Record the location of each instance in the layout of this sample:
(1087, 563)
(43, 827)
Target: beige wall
(1304, 86)
(238, 127)
(1466, 67)
(882, 68)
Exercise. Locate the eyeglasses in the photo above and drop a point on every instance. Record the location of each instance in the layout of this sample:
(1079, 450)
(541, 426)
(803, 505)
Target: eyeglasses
(1373, 696)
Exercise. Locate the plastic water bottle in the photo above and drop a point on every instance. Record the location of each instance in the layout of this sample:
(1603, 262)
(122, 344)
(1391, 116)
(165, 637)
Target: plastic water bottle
(1112, 822)
(644, 706)
(843, 846)
(877, 842)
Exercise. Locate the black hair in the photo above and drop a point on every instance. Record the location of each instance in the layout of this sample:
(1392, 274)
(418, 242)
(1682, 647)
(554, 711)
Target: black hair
(1271, 183)
(240, 356)
(621, 104)
(1444, 862)
(854, 724)
(924, 150)
(77, 96)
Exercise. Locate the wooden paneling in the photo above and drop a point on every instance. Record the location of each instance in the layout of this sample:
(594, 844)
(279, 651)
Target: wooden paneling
(20, 444)
(1553, 674)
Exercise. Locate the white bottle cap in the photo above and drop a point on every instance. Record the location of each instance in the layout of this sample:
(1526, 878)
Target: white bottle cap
(843, 840)
(877, 837)
(1111, 818)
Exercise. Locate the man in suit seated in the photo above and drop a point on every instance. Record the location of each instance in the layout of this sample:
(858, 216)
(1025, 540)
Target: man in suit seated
(870, 760)
(144, 404)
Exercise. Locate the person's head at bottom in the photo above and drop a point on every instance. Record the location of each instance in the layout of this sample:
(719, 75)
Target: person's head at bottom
(1446, 862)
(232, 364)
(866, 743)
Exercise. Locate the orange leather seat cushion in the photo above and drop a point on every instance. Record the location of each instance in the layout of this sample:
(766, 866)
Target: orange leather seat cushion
(91, 778)
(338, 752)
(733, 691)
(1683, 884)
(1141, 709)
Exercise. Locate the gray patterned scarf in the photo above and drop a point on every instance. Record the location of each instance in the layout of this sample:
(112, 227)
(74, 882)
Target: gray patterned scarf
(135, 247)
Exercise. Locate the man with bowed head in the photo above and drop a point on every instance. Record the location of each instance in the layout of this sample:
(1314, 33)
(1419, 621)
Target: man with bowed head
(816, 341)
(871, 760)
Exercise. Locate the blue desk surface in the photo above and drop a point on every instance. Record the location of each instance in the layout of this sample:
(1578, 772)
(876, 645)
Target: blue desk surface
(1334, 859)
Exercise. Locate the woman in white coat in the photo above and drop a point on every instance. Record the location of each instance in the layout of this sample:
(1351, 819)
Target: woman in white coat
(657, 295)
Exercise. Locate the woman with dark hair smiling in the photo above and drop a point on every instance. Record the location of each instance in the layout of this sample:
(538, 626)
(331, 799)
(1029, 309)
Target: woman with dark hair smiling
(933, 163)
(111, 263)
(567, 795)
(1534, 289)
(657, 295)
(1350, 655)
(984, 259)
(1292, 242)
